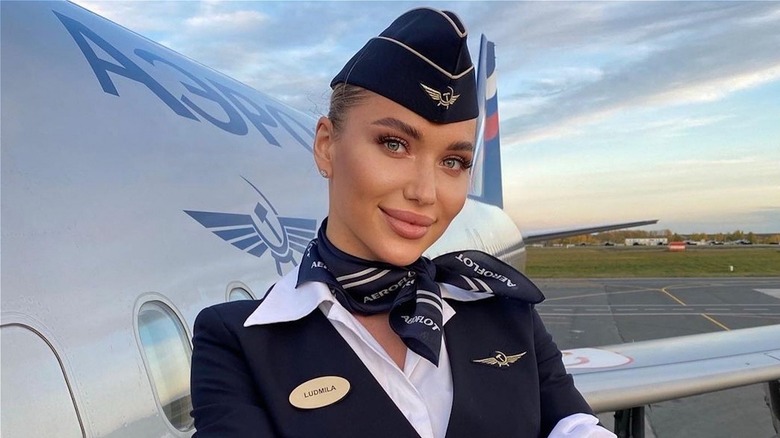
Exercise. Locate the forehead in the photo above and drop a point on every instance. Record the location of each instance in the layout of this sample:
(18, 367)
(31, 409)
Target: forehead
(375, 111)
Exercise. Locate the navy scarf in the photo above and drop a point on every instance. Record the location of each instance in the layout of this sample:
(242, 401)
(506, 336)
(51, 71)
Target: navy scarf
(410, 293)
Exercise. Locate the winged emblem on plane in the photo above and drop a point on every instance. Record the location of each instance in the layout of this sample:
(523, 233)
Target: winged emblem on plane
(261, 231)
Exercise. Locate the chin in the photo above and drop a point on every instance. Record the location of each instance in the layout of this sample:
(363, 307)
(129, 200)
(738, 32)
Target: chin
(401, 253)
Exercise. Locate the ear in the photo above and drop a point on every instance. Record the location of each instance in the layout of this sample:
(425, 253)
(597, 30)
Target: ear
(323, 145)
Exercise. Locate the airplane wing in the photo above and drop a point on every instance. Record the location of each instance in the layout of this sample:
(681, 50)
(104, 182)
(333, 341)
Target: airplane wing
(540, 235)
(621, 376)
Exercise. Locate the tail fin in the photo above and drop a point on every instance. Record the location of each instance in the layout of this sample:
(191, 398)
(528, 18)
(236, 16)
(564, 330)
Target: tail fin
(486, 175)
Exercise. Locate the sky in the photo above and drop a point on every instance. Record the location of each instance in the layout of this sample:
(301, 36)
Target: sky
(610, 111)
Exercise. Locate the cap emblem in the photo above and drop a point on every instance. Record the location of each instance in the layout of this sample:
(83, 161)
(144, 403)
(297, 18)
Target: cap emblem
(444, 99)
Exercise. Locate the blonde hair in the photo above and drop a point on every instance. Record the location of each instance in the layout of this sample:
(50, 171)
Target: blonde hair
(344, 97)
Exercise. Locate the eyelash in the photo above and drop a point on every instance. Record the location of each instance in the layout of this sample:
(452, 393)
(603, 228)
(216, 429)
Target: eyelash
(465, 164)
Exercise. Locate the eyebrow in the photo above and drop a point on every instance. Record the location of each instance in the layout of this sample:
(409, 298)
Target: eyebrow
(413, 132)
(461, 146)
(406, 128)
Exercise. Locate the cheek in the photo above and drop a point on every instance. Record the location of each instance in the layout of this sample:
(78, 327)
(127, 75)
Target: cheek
(360, 174)
(453, 197)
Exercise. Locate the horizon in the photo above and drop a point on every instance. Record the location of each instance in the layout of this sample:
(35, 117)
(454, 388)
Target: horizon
(610, 111)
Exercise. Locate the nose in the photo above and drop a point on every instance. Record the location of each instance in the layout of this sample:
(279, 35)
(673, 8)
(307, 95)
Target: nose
(421, 185)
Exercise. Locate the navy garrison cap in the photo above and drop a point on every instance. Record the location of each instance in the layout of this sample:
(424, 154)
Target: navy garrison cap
(421, 62)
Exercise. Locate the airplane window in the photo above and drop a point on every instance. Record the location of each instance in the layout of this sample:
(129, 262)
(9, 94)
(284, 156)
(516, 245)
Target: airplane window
(36, 398)
(239, 293)
(168, 353)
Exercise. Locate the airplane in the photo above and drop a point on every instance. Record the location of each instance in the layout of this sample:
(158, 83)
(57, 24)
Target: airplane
(139, 186)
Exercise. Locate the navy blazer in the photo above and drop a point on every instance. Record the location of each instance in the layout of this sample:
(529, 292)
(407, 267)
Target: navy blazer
(242, 376)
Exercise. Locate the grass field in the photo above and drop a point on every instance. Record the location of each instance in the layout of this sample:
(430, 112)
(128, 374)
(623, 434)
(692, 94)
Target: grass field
(652, 262)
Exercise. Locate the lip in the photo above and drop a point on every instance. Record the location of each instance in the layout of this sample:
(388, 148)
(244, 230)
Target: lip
(407, 224)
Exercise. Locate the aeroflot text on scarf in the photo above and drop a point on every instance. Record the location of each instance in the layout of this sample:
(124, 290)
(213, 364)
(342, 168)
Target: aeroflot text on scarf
(482, 271)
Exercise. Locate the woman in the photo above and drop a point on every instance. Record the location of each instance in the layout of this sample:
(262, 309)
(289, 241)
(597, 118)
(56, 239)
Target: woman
(367, 338)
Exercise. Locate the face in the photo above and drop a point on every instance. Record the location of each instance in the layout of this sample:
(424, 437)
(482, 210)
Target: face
(396, 180)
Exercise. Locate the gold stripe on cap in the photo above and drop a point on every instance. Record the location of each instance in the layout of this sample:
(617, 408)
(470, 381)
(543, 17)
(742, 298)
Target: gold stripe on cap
(420, 55)
(454, 26)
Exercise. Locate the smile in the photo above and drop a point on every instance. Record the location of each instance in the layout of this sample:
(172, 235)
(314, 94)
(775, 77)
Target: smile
(407, 224)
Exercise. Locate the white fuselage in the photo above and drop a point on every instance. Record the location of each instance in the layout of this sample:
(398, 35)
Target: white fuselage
(107, 139)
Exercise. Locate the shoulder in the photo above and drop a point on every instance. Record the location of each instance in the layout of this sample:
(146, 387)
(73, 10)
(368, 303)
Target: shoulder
(230, 314)
(501, 312)
(236, 312)
(468, 300)
(493, 305)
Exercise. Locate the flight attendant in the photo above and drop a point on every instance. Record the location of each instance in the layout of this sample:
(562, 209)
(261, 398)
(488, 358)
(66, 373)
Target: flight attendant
(367, 338)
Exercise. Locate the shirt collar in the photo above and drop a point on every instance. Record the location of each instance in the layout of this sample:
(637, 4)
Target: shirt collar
(285, 303)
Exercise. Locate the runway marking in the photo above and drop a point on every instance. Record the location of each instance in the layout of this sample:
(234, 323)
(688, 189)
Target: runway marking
(712, 320)
(707, 317)
(708, 312)
(663, 289)
(760, 316)
(677, 307)
(771, 292)
(597, 294)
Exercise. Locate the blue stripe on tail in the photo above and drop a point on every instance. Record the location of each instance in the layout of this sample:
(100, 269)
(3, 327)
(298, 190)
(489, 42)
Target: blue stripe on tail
(486, 185)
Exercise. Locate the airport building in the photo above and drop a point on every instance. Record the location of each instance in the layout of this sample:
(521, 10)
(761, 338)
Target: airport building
(647, 241)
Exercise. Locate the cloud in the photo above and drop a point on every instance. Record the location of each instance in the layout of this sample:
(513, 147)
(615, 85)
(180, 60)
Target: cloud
(586, 187)
(716, 88)
(721, 162)
(679, 65)
(289, 50)
(759, 220)
(149, 18)
(681, 208)
(686, 122)
(235, 21)
(567, 64)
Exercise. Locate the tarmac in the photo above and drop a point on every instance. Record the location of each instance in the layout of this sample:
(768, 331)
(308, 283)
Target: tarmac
(595, 312)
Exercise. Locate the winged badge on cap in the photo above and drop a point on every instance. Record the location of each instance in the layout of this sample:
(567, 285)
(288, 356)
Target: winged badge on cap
(500, 359)
(445, 99)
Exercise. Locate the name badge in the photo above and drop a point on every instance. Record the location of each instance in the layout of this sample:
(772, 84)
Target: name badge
(319, 392)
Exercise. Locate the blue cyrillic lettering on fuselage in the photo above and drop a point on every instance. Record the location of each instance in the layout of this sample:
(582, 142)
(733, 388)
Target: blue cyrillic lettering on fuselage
(232, 102)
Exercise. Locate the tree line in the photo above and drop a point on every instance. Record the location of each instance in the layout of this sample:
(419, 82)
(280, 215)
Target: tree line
(619, 236)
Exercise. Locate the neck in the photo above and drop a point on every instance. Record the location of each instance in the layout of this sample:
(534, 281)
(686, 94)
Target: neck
(379, 327)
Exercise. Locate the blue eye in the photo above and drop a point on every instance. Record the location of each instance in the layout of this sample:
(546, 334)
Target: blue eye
(452, 163)
(394, 145)
(456, 163)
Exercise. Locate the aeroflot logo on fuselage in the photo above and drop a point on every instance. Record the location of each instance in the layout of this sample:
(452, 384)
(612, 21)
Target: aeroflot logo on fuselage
(261, 231)
(232, 102)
